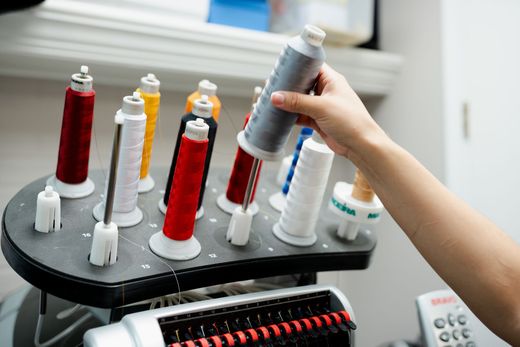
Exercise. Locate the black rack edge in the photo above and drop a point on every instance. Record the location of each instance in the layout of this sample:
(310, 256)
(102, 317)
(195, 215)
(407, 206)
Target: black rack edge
(104, 296)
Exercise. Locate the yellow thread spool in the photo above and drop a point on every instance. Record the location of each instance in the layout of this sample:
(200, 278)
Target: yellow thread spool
(209, 89)
(149, 90)
(361, 189)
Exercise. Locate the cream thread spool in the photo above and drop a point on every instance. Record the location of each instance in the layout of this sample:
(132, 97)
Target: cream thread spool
(126, 213)
(301, 211)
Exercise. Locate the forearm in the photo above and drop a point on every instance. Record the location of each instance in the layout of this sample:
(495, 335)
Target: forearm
(469, 252)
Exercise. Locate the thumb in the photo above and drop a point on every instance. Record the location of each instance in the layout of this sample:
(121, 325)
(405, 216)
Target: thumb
(298, 103)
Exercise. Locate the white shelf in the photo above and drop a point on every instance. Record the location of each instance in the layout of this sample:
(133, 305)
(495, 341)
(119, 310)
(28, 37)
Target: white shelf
(120, 43)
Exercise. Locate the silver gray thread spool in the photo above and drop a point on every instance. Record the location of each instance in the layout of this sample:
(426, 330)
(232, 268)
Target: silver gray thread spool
(296, 70)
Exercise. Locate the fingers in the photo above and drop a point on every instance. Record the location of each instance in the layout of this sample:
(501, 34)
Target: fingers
(326, 77)
(298, 103)
(306, 121)
(326, 70)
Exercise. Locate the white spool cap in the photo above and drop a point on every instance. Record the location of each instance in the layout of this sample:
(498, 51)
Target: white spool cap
(353, 212)
(239, 227)
(202, 107)
(255, 151)
(197, 130)
(122, 219)
(48, 211)
(150, 84)
(347, 207)
(313, 35)
(277, 201)
(103, 251)
(299, 241)
(167, 248)
(207, 88)
(229, 207)
(82, 81)
(146, 184)
(284, 170)
(71, 191)
(133, 104)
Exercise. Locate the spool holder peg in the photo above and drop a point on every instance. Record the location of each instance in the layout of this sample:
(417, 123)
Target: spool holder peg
(48, 211)
(103, 251)
(242, 218)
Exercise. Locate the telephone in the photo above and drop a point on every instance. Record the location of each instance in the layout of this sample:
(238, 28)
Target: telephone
(446, 321)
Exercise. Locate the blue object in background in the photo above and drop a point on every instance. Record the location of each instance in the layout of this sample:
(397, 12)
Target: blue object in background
(249, 14)
(304, 135)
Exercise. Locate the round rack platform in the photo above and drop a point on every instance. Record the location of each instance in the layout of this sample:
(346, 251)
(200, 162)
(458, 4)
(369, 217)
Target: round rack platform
(58, 262)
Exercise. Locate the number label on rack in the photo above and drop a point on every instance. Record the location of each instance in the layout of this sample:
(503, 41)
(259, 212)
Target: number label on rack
(146, 266)
(86, 235)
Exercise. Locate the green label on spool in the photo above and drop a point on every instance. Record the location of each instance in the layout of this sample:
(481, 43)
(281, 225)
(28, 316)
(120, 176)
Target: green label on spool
(343, 207)
(373, 215)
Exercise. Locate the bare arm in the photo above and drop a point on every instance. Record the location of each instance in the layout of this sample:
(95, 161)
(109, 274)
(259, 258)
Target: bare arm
(477, 259)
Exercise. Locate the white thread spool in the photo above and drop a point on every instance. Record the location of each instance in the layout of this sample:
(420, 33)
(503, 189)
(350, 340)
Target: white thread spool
(48, 211)
(301, 211)
(126, 213)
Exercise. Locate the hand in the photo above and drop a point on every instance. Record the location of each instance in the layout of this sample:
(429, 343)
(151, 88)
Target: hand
(335, 112)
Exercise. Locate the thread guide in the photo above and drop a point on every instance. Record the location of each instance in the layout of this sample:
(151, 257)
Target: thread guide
(138, 273)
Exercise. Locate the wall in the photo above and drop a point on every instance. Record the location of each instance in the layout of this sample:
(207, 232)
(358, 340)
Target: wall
(481, 57)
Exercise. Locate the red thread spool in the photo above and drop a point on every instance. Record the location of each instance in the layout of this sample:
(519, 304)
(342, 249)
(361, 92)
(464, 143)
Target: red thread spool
(201, 109)
(239, 178)
(184, 194)
(76, 129)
